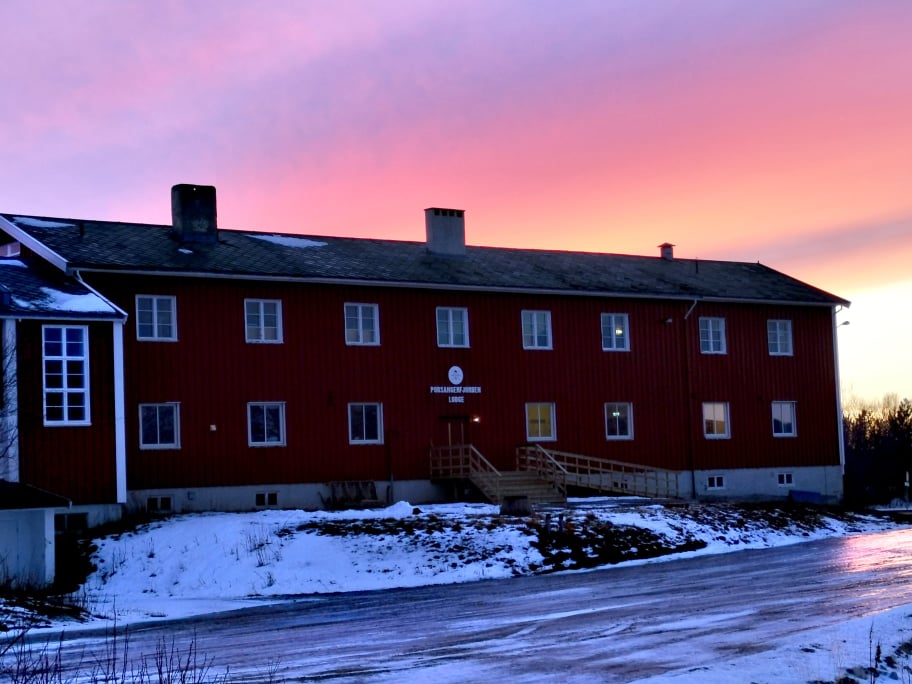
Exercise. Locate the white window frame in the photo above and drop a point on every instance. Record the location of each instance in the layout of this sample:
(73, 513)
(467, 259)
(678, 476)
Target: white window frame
(356, 335)
(777, 409)
(611, 340)
(785, 479)
(712, 335)
(264, 406)
(363, 438)
(536, 324)
(779, 337)
(715, 482)
(552, 421)
(158, 303)
(255, 321)
(72, 383)
(173, 406)
(610, 408)
(716, 407)
(446, 328)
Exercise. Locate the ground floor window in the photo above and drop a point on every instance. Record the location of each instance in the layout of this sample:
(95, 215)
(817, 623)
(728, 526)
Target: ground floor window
(159, 426)
(540, 422)
(365, 423)
(619, 420)
(785, 479)
(266, 424)
(715, 482)
(715, 420)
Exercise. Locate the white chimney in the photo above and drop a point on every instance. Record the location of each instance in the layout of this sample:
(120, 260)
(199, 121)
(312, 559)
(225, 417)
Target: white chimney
(445, 231)
(666, 249)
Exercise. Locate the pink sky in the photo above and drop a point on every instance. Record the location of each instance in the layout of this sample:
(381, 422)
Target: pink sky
(776, 131)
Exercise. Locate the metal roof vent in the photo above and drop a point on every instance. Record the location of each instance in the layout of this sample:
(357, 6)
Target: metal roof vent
(445, 231)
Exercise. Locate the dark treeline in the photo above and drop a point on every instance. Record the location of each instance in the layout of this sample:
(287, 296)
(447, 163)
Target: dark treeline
(878, 449)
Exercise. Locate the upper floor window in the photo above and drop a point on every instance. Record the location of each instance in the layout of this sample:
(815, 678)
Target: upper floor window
(619, 420)
(779, 337)
(536, 329)
(784, 419)
(614, 332)
(452, 327)
(263, 319)
(365, 423)
(362, 324)
(715, 420)
(65, 371)
(540, 422)
(159, 426)
(156, 318)
(712, 335)
(266, 424)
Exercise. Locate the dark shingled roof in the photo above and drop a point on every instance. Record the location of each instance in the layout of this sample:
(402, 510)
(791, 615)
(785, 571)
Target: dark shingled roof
(105, 245)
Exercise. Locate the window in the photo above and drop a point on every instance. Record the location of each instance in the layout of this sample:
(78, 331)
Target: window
(715, 420)
(540, 422)
(712, 335)
(785, 479)
(614, 332)
(362, 324)
(715, 482)
(784, 419)
(159, 426)
(65, 374)
(536, 329)
(155, 318)
(263, 319)
(452, 327)
(266, 424)
(619, 421)
(779, 337)
(365, 423)
(266, 499)
(158, 504)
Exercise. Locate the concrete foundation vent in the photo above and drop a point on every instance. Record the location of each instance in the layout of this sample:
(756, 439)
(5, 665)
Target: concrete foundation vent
(445, 231)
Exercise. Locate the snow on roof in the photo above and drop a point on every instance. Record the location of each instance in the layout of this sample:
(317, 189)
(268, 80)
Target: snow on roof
(12, 262)
(40, 223)
(289, 241)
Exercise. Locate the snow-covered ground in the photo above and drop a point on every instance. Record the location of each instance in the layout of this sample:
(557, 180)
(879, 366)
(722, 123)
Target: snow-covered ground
(202, 563)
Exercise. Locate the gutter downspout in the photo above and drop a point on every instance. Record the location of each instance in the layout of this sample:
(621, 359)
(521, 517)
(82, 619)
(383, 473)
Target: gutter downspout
(688, 380)
(839, 419)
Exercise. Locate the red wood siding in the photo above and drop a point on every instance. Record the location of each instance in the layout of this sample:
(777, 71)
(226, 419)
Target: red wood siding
(77, 462)
(213, 373)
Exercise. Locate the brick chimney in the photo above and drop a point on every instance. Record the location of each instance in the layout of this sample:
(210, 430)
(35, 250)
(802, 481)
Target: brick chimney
(666, 249)
(445, 231)
(193, 213)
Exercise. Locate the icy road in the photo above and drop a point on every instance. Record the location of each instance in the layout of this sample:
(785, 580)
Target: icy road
(613, 625)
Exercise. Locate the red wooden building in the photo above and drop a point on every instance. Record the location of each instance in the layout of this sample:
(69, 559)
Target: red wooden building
(257, 367)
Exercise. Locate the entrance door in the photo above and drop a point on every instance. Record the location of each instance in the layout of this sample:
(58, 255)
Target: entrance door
(452, 430)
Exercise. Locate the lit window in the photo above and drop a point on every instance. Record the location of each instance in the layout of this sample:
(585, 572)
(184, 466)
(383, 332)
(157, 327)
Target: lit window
(715, 482)
(536, 329)
(715, 420)
(65, 374)
(266, 424)
(619, 421)
(712, 335)
(263, 320)
(540, 422)
(779, 337)
(365, 423)
(614, 332)
(784, 419)
(159, 426)
(156, 318)
(362, 324)
(452, 327)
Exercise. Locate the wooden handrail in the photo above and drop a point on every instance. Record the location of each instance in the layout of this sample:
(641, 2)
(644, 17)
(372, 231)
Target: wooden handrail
(533, 457)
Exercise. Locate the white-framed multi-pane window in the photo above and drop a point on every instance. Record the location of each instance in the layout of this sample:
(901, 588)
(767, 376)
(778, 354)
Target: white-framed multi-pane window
(536, 329)
(619, 420)
(65, 374)
(365, 423)
(540, 422)
(779, 337)
(715, 482)
(452, 326)
(362, 324)
(159, 426)
(784, 419)
(263, 320)
(156, 318)
(712, 335)
(715, 420)
(615, 335)
(266, 423)
(785, 479)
